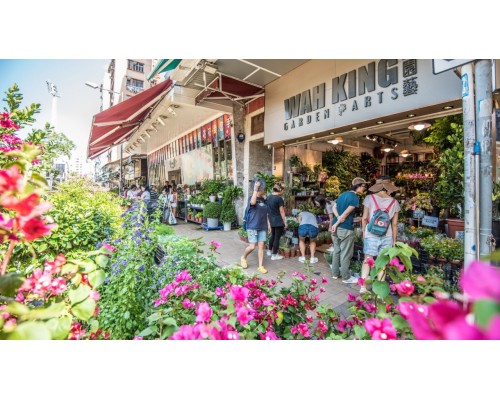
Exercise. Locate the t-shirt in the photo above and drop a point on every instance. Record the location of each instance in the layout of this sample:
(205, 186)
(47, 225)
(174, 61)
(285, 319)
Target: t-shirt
(383, 203)
(307, 218)
(146, 196)
(329, 207)
(274, 203)
(345, 200)
(257, 215)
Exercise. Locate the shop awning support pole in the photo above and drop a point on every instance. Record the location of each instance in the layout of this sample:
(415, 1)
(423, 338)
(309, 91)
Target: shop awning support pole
(484, 109)
(471, 241)
(120, 185)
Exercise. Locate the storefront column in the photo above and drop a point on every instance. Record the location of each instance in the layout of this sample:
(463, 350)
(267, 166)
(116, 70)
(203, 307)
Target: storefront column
(239, 156)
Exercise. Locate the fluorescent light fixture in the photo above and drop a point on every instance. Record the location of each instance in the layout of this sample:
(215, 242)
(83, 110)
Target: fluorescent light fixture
(336, 140)
(404, 153)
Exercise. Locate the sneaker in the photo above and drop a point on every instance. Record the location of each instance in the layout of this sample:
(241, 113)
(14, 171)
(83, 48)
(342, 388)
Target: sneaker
(313, 260)
(276, 257)
(302, 259)
(262, 270)
(330, 249)
(352, 279)
(335, 277)
(269, 253)
(244, 263)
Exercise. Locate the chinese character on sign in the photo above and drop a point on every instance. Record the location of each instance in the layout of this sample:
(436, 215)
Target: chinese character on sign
(410, 86)
(409, 68)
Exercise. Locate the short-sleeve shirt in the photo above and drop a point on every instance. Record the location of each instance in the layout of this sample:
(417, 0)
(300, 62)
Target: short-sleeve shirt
(257, 214)
(307, 218)
(383, 203)
(329, 207)
(274, 203)
(345, 200)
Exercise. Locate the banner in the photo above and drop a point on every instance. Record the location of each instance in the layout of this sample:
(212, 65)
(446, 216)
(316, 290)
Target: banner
(198, 135)
(227, 126)
(220, 127)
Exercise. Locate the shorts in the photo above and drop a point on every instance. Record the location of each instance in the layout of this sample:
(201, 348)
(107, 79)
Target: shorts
(308, 230)
(374, 245)
(255, 236)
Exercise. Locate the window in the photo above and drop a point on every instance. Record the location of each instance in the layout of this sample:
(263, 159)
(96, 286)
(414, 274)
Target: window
(135, 66)
(135, 85)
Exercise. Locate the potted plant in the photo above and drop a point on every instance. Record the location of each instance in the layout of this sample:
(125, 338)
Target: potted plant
(295, 163)
(212, 213)
(228, 216)
(243, 235)
(199, 216)
(211, 187)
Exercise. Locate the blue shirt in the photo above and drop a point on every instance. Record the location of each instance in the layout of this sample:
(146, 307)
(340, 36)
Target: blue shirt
(345, 200)
(257, 215)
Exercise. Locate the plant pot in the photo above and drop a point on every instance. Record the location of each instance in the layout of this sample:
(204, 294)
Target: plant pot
(457, 263)
(454, 226)
(211, 198)
(295, 170)
(212, 222)
(287, 254)
(227, 226)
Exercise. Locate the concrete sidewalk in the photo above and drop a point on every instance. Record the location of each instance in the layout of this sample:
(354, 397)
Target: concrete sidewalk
(232, 248)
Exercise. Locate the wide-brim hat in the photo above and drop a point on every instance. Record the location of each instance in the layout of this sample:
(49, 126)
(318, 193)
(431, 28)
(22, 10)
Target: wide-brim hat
(381, 184)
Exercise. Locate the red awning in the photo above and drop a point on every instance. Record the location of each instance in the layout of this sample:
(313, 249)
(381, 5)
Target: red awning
(116, 124)
(225, 87)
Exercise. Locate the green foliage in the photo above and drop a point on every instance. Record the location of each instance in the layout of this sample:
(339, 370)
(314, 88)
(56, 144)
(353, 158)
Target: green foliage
(332, 187)
(295, 161)
(162, 229)
(54, 145)
(369, 165)
(342, 164)
(269, 179)
(212, 210)
(85, 215)
(437, 135)
(21, 117)
(213, 186)
(228, 214)
(231, 193)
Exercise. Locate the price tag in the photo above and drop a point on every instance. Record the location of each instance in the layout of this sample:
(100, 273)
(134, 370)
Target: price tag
(295, 240)
(289, 234)
(418, 214)
(430, 221)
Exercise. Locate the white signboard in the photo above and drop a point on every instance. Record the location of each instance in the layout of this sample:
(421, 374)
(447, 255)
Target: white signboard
(430, 221)
(439, 66)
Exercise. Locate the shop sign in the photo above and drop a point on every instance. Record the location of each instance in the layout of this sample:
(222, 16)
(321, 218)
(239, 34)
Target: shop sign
(430, 221)
(328, 94)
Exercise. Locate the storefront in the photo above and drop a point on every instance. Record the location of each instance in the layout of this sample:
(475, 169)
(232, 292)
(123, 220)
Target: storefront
(360, 106)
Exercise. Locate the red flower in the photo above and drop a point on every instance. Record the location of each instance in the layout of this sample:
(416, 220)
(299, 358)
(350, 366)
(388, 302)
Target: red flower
(11, 180)
(29, 207)
(34, 228)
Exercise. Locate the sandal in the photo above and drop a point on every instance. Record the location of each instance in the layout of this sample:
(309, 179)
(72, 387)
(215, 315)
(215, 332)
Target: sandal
(244, 263)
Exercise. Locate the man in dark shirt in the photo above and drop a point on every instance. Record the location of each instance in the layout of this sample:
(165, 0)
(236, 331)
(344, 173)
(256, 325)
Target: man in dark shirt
(343, 230)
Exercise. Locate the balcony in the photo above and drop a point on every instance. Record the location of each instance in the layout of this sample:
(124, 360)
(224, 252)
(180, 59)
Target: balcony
(134, 89)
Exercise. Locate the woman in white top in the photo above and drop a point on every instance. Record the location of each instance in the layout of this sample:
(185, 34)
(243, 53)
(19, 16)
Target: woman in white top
(379, 199)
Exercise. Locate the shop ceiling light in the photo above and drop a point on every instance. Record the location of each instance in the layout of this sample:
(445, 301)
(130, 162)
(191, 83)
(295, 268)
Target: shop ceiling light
(336, 140)
(411, 115)
(447, 107)
(387, 148)
(404, 153)
(419, 126)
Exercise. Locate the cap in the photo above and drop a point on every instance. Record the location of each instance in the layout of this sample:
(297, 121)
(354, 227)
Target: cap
(358, 181)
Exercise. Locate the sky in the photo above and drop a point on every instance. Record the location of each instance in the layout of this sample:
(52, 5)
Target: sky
(76, 106)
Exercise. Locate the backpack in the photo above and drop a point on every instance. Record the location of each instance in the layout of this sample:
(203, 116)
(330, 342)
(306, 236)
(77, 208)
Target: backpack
(380, 221)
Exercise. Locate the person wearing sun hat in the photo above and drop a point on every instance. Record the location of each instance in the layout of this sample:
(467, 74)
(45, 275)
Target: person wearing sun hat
(343, 230)
(373, 243)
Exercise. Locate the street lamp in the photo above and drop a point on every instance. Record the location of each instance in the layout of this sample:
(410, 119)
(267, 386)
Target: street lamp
(101, 89)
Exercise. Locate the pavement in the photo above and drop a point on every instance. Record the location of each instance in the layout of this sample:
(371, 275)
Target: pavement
(229, 254)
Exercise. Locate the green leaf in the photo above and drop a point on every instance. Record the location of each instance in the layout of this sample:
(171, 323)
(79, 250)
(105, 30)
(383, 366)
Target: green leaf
(150, 330)
(393, 252)
(360, 331)
(280, 317)
(31, 331)
(54, 310)
(9, 284)
(126, 315)
(399, 322)
(17, 308)
(484, 310)
(94, 325)
(85, 309)
(381, 261)
(169, 321)
(381, 289)
(79, 294)
(102, 260)
(96, 278)
(42, 247)
(59, 327)
(69, 268)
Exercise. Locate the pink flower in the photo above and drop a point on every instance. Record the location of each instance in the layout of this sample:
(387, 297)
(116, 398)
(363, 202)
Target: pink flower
(324, 280)
(370, 307)
(183, 276)
(380, 329)
(218, 292)
(138, 338)
(35, 228)
(109, 247)
(405, 288)
(395, 263)
(314, 281)
(268, 336)
(11, 180)
(203, 313)
(420, 278)
(215, 244)
(392, 287)
(244, 315)
(185, 332)
(186, 303)
(481, 281)
(322, 289)
(303, 330)
(351, 297)
(361, 282)
(370, 262)
(94, 295)
(238, 293)
(341, 325)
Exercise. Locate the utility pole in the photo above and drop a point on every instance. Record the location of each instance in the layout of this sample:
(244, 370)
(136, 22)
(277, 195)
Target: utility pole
(471, 241)
(484, 109)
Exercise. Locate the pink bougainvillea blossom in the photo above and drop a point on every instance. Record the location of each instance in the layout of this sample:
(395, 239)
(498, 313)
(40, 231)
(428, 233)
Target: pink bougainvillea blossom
(11, 180)
(481, 281)
(370, 262)
(238, 293)
(244, 315)
(380, 329)
(203, 312)
(405, 288)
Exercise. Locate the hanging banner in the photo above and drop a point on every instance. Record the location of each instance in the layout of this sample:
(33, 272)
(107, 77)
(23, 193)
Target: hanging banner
(215, 130)
(198, 135)
(227, 126)
(193, 139)
(204, 135)
(220, 127)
